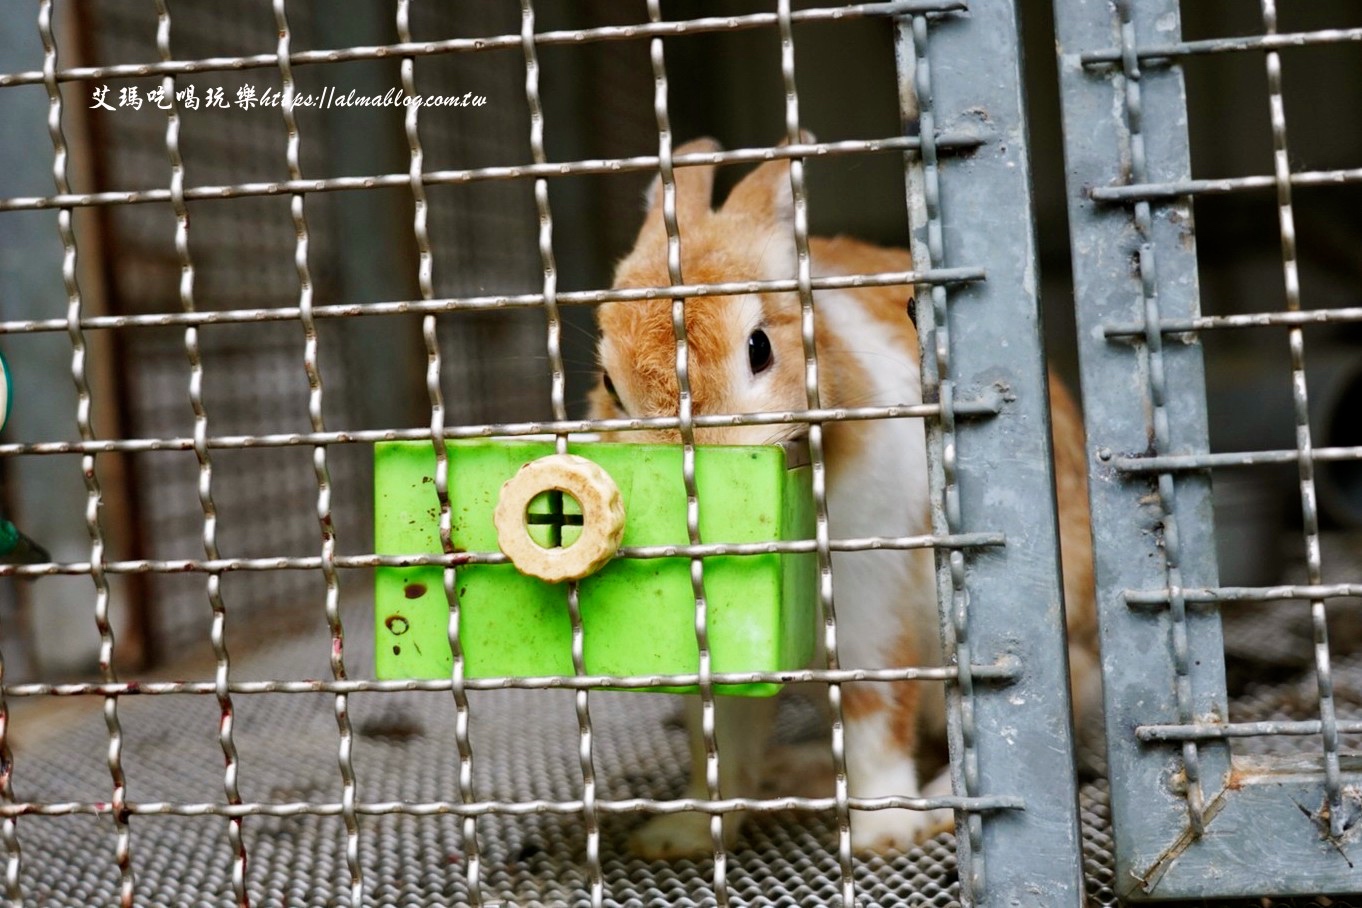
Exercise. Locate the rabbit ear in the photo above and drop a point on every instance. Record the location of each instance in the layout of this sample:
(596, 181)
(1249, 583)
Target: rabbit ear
(765, 192)
(694, 185)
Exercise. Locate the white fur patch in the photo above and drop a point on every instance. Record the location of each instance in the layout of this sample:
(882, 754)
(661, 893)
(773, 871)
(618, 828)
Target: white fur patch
(879, 595)
(751, 393)
(877, 768)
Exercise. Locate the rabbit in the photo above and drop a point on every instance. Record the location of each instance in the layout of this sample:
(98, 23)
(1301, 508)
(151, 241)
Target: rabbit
(745, 356)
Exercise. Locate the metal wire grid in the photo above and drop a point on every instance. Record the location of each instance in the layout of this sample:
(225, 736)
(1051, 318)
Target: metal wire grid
(239, 145)
(402, 752)
(686, 427)
(257, 381)
(263, 502)
(122, 848)
(1327, 725)
(481, 222)
(1315, 591)
(262, 498)
(948, 536)
(1177, 463)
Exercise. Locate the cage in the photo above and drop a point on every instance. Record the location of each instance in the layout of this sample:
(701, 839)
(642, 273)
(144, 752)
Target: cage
(225, 282)
(1210, 416)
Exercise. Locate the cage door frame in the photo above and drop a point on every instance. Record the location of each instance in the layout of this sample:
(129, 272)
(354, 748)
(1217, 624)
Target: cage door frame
(1188, 819)
(982, 340)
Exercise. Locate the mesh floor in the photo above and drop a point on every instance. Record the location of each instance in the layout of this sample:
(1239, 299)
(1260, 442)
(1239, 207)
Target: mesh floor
(524, 747)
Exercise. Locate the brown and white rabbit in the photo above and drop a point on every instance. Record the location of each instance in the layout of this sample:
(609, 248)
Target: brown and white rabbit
(746, 356)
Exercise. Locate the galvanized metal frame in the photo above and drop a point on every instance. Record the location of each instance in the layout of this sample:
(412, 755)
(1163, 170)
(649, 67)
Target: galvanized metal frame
(992, 471)
(1184, 810)
(984, 402)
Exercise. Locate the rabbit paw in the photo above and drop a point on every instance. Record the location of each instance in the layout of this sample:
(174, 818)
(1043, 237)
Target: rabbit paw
(675, 836)
(878, 831)
(881, 831)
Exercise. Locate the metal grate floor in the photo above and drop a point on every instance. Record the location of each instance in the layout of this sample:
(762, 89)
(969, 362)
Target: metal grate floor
(524, 748)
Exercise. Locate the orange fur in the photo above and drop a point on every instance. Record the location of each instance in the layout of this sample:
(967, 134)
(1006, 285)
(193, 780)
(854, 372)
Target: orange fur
(861, 700)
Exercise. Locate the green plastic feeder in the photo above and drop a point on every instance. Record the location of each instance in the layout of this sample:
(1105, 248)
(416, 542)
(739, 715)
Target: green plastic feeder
(638, 615)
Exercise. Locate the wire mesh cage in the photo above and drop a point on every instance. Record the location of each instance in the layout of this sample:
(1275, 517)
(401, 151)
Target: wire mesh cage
(224, 283)
(1192, 789)
(290, 288)
(351, 812)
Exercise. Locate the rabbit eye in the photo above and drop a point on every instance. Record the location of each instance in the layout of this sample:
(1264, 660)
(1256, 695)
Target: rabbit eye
(759, 355)
(610, 389)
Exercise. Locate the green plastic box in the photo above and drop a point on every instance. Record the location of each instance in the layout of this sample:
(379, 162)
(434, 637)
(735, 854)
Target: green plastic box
(638, 615)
